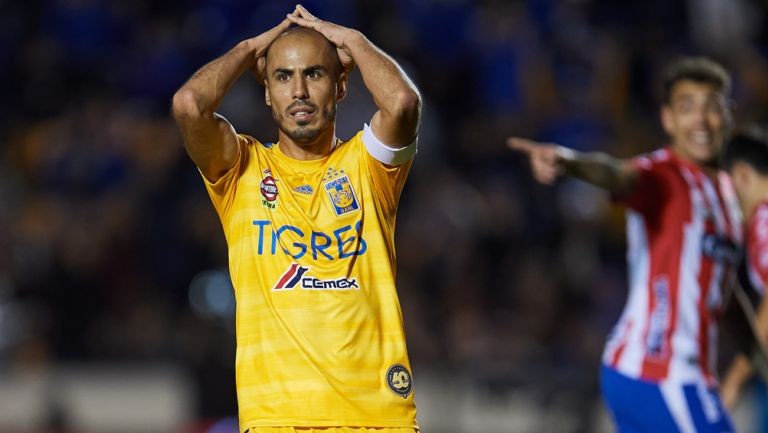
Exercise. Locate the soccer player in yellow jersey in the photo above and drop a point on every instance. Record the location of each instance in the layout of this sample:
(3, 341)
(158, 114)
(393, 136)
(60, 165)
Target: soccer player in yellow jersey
(309, 223)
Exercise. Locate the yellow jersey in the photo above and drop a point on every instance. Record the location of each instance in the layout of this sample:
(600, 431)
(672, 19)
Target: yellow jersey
(320, 338)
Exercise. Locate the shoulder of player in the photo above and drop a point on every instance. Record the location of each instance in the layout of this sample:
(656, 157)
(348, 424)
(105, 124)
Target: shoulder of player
(657, 158)
(355, 140)
(660, 163)
(348, 148)
(669, 176)
(254, 149)
(251, 142)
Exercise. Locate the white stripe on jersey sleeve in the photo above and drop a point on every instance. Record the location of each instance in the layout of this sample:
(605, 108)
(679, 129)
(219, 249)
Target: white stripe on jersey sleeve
(386, 154)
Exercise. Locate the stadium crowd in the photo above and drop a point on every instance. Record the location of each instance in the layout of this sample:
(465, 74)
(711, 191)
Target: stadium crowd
(111, 251)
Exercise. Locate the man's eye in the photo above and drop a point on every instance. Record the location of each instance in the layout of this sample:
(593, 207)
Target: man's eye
(716, 106)
(282, 77)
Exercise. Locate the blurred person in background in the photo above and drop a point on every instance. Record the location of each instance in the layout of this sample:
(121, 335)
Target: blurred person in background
(310, 226)
(746, 159)
(683, 230)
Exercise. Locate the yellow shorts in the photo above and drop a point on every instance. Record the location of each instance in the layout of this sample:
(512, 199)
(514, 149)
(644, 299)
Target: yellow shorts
(332, 430)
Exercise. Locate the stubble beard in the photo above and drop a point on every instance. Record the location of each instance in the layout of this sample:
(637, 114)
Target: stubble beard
(303, 133)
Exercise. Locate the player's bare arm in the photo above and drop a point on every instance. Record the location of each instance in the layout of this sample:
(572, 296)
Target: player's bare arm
(761, 317)
(741, 368)
(549, 161)
(209, 139)
(738, 373)
(399, 104)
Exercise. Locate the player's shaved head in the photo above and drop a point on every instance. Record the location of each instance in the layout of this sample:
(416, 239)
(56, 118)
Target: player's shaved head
(305, 36)
(304, 82)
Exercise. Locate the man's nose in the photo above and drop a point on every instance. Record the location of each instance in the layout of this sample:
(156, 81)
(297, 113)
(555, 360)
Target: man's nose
(699, 114)
(300, 90)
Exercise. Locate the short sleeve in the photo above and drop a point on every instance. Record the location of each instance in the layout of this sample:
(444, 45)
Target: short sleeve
(388, 169)
(222, 191)
(650, 188)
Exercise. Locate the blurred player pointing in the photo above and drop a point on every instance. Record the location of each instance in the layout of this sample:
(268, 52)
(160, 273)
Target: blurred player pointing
(683, 230)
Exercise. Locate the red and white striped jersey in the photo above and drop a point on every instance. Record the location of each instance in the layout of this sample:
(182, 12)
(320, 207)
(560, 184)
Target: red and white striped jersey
(683, 233)
(757, 248)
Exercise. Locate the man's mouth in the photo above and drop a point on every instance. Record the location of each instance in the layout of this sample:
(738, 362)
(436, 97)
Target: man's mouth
(701, 137)
(301, 113)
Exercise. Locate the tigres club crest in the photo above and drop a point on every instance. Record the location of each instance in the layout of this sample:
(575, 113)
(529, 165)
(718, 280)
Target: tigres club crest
(268, 190)
(342, 195)
(399, 380)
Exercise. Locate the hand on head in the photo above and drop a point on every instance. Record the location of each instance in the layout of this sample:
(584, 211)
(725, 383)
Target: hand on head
(301, 17)
(262, 43)
(337, 34)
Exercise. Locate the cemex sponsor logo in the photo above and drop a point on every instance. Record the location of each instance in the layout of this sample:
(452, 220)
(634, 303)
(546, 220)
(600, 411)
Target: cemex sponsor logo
(296, 275)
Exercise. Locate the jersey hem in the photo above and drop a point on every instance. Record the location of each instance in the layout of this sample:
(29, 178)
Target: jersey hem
(695, 376)
(328, 423)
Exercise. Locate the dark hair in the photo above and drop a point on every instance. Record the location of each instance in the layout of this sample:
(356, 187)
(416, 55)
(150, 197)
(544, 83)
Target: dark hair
(750, 146)
(697, 69)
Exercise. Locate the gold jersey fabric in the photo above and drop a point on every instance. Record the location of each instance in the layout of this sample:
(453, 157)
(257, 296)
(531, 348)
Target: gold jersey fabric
(320, 338)
(333, 430)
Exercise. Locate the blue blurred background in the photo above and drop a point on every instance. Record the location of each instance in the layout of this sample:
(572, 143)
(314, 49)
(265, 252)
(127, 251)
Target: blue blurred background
(116, 313)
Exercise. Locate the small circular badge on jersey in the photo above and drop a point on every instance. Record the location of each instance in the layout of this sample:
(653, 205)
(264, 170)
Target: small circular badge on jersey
(269, 188)
(399, 380)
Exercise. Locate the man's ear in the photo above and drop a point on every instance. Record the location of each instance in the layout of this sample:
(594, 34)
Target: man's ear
(267, 98)
(341, 86)
(667, 121)
(728, 115)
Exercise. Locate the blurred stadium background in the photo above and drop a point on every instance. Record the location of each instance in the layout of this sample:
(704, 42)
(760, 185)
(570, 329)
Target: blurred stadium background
(116, 314)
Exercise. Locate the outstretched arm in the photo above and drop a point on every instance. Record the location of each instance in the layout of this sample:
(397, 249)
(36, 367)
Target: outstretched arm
(399, 104)
(548, 161)
(210, 140)
(738, 373)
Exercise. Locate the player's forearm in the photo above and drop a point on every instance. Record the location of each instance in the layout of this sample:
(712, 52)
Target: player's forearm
(204, 92)
(737, 374)
(599, 169)
(762, 321)
(394, 93)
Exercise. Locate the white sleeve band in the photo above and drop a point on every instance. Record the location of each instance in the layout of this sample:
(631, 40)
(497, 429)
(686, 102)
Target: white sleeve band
(386, 154)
